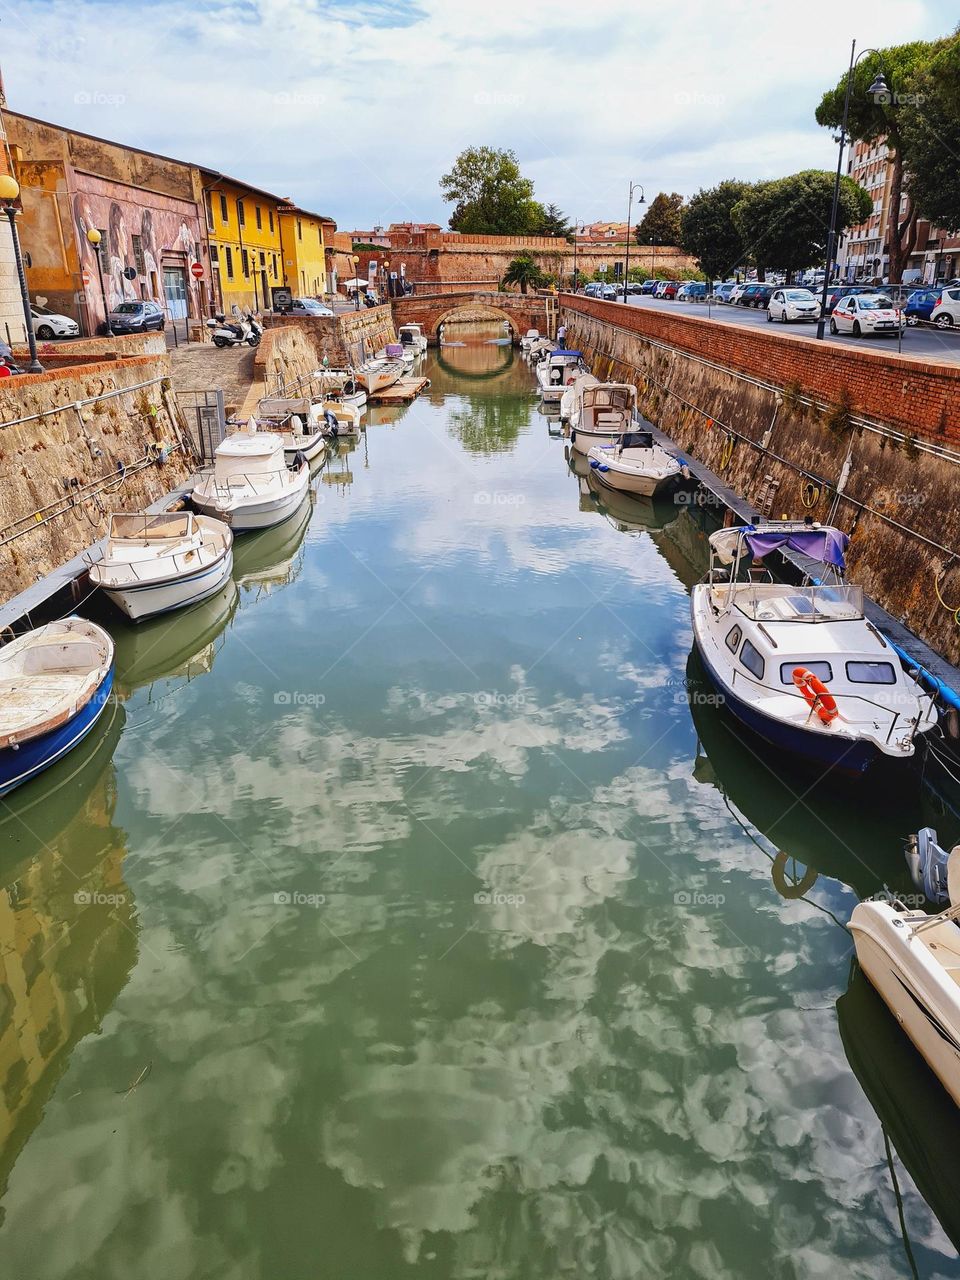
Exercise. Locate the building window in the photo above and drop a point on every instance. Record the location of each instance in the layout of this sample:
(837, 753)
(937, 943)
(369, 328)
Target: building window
(138, 255)
(228, 252)
(209, 205)
(245, 261)
(224, 216)
(271, 219)
(214, 254)
(299, 229)
(241, 216)
(274, 256)
(259, 218)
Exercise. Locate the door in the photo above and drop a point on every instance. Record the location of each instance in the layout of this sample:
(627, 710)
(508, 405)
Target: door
(175, 292)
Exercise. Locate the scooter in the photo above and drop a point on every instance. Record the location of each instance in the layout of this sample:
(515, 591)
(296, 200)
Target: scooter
(234, 333)
(8, 365)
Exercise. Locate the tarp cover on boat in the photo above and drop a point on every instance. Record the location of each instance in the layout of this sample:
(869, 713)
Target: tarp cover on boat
(566, 353)
(636, 440)
(826, 545)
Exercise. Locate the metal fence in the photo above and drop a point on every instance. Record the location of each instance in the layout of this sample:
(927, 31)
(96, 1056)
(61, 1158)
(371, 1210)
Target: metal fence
(206, 420)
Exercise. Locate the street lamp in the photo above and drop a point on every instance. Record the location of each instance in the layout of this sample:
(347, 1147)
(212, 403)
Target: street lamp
(93, 235)
(9, 190)
(879, 90)
(626, 269)
(386, 277)
(356, 288)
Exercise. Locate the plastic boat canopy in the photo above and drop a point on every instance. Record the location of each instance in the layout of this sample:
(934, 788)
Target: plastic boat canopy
(824, 543)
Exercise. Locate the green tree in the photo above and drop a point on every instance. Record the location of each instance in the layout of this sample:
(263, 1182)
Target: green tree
(784, 223)
(875, 117)
(708, 232)
(660, 225)
(931, 136)
(554, 223)
(523, 272)
(490, 195)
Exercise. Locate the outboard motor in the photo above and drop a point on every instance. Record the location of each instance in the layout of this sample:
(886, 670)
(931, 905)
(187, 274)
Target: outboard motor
(330, 418)
(928, 865)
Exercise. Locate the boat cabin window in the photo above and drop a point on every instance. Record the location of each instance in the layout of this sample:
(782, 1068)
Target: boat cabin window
(636, 440)
(871, 673)
(752, 660)
(733, 639)
(822, 670)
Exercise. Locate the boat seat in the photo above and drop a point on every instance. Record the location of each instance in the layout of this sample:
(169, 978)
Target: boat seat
(66, 656)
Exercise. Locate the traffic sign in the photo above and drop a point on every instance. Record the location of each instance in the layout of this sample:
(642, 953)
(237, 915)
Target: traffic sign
(86, 277)
(196, 270)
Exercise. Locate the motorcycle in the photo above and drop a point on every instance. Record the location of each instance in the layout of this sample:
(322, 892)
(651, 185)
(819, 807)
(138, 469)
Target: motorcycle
(234, 333)
(8, 365)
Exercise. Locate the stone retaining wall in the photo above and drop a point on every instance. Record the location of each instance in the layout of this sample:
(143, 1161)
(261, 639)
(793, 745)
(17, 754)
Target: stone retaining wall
(784, 446)
(39, 459)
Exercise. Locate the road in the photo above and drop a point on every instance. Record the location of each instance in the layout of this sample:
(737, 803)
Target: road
(927, 343)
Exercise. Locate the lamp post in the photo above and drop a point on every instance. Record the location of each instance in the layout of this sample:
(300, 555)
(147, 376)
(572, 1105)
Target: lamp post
(93, 235)
(356, 288)
(9, 190)
(386, 277)
(876, 90)
(626, 268)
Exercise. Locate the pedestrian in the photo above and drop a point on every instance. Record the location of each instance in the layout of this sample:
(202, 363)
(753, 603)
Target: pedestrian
(562, 336)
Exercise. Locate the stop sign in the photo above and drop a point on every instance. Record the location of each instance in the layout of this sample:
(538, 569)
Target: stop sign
(196, 270)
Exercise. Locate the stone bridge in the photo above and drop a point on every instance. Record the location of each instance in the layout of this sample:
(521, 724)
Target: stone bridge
(523, 311)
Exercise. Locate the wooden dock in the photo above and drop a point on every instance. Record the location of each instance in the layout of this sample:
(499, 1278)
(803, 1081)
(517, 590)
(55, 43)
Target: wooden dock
(401, 392)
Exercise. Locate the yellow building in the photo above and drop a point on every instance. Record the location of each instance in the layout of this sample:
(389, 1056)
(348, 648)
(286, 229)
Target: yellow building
(303, 243)
(243, 229)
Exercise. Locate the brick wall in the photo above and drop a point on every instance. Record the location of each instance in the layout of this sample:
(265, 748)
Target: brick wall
(920, 397)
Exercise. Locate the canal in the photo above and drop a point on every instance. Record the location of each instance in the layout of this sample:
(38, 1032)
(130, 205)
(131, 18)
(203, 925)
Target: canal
(415, 913)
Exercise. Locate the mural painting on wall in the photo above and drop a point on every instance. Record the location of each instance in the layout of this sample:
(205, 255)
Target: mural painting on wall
(137, 242)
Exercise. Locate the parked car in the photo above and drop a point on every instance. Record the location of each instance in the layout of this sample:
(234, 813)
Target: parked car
(634, 287)
(49, 324)
(919, 304)
(137, 317)
(666, 289)
(837, 291)
(608, 292)
(946, 310)
(649, 286)
(792, 304)
(692, 291)
(309, 307)
(863, 313)
(734, 295)
(756, 294)
(723, 291)
(593, 290)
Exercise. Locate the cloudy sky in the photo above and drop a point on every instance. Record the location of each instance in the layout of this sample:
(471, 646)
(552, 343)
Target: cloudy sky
(356, 108)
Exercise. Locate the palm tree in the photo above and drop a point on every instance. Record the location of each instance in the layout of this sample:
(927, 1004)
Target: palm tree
(523, 271)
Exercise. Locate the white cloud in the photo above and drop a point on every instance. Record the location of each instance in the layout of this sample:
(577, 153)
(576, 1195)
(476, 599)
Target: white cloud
(356, 109)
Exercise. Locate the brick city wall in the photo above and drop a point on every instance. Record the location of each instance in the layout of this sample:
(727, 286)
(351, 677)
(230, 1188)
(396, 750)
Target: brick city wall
(40, 459)
(348, 338)
(755, 407)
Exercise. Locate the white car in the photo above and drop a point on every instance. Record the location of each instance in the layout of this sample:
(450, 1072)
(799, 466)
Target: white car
(48, 324)
(309, 307)
(793, 304)
(736, 291)
(863, 313)
(946, 310)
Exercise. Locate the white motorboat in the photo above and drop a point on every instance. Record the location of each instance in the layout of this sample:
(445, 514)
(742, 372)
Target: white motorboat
(251, 486)
(599, 412)
(634, 463)
(335, 417)
(341, 384)
(152, 564)
(539, 350)
(291, 417)
(913, 961)
(529, 339)
(412, 335)
(571, 398)
(556, 371)
(376, 375)
(800, 665)
(54, 684)
(395, 351)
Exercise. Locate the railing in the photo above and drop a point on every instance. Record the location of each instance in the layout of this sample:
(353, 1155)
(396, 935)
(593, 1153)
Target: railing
(839, 603)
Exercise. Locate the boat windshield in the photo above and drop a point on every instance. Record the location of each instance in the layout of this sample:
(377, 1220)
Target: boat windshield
(151, 528)
(781, 602)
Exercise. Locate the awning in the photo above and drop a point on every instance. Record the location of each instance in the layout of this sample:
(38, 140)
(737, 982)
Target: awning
(826, 545)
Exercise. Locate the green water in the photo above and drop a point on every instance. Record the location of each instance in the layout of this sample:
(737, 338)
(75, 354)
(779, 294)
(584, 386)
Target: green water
(414, 914)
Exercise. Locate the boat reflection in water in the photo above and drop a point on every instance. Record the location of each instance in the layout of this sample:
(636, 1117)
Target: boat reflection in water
(630, 515)
(916, 1113)
(68, 939)
(814, 832)
(275, 557)
(183, 645)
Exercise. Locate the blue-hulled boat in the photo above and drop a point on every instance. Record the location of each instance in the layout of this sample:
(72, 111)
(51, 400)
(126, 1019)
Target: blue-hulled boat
(800, 665)
(54, 684)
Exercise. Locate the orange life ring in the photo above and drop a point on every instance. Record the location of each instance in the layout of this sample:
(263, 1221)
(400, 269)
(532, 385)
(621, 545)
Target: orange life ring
(818, 696)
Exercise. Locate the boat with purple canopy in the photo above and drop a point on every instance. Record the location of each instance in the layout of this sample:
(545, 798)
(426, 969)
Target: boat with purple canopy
(801, 665)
